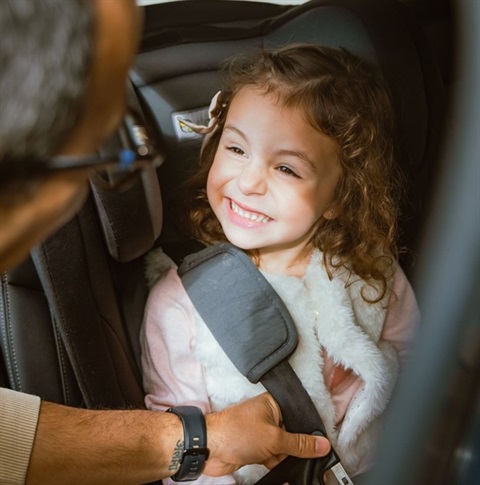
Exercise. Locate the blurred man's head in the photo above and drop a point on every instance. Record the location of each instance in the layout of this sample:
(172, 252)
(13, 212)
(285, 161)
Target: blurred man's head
(62, 86)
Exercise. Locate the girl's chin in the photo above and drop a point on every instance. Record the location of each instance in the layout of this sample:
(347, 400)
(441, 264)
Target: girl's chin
(244, 242)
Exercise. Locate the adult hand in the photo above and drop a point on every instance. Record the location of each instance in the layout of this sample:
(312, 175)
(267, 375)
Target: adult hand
(250, 432)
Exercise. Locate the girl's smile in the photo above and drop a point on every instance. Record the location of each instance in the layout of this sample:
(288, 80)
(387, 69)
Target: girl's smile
(242, 216)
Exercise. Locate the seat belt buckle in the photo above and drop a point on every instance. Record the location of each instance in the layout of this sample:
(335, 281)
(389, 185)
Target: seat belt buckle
(333, 464)
(340, 474)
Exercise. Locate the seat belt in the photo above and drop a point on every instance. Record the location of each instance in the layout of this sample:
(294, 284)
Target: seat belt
(232, 297)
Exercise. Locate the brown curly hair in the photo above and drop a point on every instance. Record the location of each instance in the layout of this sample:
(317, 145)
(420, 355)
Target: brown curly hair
(344, 97)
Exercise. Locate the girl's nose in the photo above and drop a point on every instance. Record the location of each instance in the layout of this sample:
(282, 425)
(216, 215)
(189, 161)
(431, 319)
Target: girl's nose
(252, 179)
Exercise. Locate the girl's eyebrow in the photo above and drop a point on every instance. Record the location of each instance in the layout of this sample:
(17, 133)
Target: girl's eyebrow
(292, 153)
(300, 155)
(235, 130)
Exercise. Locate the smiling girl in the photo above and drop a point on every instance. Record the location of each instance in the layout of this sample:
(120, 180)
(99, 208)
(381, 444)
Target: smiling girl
(298, 170)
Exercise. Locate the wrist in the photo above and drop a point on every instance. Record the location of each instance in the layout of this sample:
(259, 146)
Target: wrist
(164, 430)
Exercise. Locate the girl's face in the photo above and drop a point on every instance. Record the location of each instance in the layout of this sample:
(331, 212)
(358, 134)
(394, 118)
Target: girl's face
(272, 180)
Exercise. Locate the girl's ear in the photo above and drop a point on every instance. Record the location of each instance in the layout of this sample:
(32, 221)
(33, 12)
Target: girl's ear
(331, 212)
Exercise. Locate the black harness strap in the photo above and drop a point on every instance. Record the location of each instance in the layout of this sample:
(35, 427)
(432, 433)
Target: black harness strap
(283, 383)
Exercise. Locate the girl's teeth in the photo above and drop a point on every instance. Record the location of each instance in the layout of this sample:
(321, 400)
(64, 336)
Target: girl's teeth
(248, 215)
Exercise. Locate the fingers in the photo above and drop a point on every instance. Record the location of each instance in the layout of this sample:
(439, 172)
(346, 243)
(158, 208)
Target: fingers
(303, 446)
(299, 445)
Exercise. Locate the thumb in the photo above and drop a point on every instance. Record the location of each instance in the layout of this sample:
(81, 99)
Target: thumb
(304, 446)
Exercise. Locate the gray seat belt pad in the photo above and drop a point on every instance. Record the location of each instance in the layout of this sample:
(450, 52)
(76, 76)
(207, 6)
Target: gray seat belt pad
(244, 313)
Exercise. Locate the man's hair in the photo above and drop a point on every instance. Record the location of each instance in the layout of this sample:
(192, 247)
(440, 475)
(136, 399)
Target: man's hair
(45, 56)
(344, 97)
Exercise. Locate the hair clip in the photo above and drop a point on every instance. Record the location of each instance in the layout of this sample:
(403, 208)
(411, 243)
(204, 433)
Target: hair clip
(215, 109)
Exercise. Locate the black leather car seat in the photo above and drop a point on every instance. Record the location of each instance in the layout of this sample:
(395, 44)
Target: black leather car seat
(69, 316)
(68, 312)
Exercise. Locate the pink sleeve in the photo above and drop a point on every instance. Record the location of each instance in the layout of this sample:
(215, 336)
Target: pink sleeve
(403, 316)
(171, 374)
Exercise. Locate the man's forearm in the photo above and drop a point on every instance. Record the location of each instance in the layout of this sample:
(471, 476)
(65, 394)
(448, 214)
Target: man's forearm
(79, 446)
(99, 447)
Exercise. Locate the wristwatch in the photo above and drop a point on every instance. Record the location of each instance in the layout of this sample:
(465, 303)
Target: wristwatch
(195, 452)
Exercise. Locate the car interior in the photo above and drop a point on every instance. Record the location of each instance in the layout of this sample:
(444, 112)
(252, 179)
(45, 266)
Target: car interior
(70, 314)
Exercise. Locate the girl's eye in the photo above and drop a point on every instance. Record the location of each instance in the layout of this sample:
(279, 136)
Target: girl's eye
(236, 150)
(287, 171)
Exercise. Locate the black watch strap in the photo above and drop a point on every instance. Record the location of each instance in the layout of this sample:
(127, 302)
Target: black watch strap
(195, 452)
